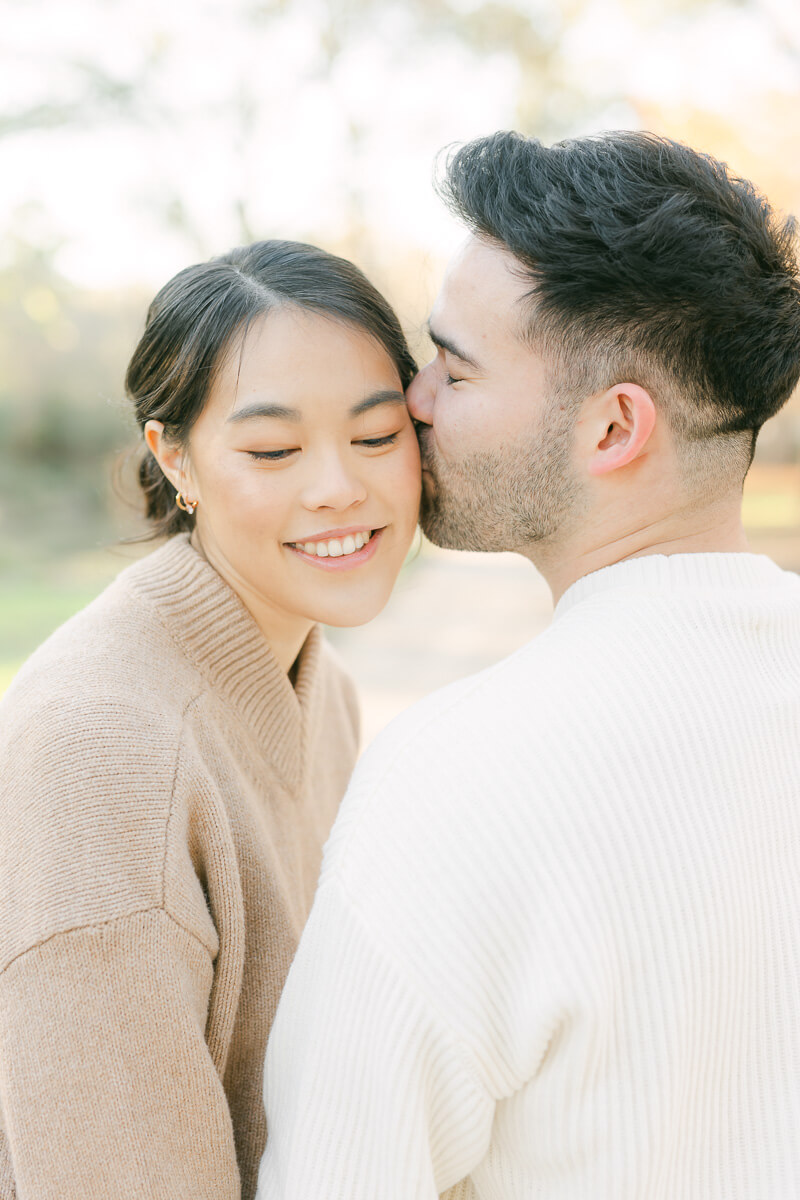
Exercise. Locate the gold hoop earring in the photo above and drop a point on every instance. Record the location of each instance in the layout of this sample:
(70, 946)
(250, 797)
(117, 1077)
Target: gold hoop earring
(187, 506)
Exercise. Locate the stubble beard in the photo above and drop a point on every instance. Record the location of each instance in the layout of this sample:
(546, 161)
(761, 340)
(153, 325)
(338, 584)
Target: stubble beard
(513, 499)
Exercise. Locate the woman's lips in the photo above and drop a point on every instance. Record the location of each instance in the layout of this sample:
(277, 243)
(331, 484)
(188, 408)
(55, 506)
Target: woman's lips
(338, 562)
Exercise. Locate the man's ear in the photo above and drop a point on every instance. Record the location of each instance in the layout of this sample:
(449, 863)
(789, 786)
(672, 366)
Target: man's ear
(169, 456)
(619, 425)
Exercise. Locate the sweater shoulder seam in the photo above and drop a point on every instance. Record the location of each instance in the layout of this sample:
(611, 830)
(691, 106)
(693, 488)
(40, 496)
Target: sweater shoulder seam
(86, 926)
(172, 798)
(462, 1047)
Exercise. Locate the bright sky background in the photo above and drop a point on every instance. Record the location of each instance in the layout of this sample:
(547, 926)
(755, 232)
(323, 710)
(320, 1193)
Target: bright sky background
(314, 144)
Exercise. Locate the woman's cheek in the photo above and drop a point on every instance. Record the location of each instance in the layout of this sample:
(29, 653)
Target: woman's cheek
(410, 458)
(414, 470)
(403, 481)
(261, 491)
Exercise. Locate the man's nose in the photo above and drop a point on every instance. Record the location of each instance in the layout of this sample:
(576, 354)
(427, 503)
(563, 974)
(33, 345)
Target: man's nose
(420, 396)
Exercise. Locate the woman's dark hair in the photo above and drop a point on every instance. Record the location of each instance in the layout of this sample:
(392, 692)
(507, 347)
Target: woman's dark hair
(195, 317)
(648, 262)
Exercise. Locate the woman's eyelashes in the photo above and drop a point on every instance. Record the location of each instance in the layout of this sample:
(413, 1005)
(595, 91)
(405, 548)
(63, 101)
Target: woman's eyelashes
(375, 443)
(270, 455)
(388, 439)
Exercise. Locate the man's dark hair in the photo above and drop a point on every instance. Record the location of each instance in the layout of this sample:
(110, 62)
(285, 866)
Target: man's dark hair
(198, 316)
(649, 263)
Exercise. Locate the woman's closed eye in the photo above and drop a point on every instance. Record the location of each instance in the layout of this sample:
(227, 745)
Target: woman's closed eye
(375, 443)
(271, 455)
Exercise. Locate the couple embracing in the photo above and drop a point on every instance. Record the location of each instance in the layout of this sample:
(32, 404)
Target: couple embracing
(554, 948)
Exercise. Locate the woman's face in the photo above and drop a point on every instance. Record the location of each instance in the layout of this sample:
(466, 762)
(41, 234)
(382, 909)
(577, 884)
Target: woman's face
(305, 467)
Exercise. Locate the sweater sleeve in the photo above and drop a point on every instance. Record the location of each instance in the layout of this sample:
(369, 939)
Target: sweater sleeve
(107, 1087)
(368, 1092)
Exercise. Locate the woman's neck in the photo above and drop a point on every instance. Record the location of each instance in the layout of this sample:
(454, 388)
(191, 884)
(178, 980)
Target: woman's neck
(284, 632)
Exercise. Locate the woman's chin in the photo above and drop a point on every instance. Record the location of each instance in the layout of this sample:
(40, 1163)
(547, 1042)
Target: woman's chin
(348, 613)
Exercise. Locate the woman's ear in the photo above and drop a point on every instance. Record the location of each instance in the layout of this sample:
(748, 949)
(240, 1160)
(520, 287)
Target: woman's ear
(169, 455)
(620, 425)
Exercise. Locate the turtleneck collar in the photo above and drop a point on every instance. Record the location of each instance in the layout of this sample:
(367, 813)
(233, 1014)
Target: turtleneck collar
(220, 637)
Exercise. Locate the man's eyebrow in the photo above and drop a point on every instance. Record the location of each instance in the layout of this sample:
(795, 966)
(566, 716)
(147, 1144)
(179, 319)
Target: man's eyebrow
(388, 396)
(259, 409)
(444, 343)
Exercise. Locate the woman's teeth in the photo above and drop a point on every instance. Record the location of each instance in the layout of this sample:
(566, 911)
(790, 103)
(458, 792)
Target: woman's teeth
(336, 547)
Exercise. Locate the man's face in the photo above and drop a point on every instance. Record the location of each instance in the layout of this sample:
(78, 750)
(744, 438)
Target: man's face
(495, 445)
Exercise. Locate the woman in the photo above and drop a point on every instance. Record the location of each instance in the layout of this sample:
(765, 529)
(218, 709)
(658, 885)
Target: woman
(171, 759)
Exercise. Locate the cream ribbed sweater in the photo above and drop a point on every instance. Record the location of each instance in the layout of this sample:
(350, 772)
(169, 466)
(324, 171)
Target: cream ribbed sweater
(164, 797)
(556, 944)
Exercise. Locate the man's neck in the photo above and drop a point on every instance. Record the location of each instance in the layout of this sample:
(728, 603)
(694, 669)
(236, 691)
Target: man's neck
(717, 530)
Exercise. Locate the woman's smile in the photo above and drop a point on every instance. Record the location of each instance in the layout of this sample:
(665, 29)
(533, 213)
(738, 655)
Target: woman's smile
(339, 549)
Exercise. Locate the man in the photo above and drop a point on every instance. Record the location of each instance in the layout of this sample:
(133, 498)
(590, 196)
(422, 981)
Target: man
(555, 949)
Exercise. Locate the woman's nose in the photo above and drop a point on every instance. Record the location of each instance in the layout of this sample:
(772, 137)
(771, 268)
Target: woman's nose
(333, 484)
(420, 395)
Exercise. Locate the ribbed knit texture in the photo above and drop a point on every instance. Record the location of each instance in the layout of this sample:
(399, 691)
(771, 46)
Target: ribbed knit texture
(555, 951)
(164, 797)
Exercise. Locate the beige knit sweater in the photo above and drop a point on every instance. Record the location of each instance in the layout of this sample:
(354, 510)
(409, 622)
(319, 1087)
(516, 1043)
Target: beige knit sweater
(164, 797)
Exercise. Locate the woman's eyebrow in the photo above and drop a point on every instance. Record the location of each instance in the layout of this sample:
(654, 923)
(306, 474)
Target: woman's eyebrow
(384, 397)
(279, 411)
(259, 409)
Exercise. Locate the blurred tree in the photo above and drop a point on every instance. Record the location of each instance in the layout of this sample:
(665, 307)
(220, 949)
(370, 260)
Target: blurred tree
(63, 350)
(531, 34)
(62, 415)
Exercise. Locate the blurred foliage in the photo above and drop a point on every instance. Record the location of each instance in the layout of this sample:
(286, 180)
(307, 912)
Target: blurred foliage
(95, 92)
(63, 350)
(63, 418)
